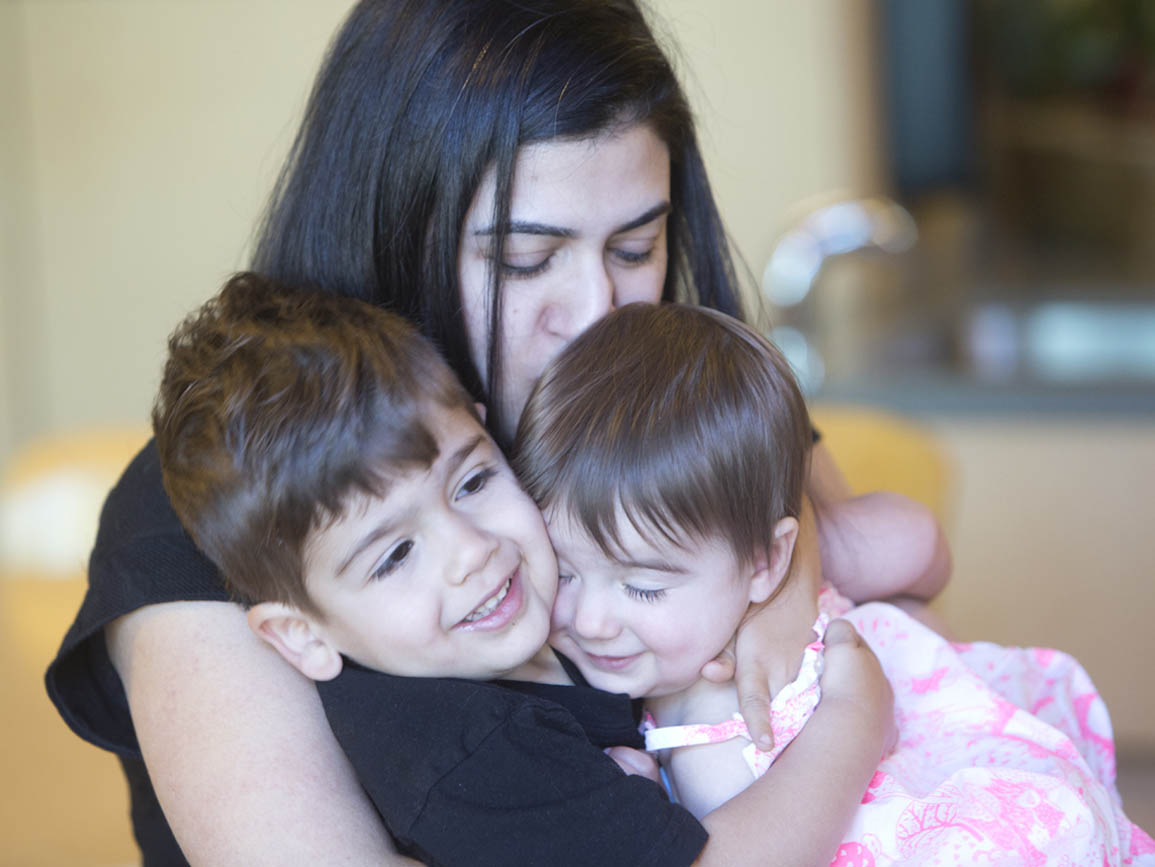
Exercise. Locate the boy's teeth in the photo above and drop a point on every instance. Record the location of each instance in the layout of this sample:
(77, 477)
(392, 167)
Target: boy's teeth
(488, 608)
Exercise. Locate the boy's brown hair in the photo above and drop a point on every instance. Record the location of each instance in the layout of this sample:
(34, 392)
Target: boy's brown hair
(687, 420)
(275, 407)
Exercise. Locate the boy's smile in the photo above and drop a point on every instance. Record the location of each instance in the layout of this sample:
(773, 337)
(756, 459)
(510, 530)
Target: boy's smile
(449, 574)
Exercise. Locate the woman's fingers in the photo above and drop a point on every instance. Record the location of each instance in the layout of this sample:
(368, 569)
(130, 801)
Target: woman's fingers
(720, 669)
(635, 762)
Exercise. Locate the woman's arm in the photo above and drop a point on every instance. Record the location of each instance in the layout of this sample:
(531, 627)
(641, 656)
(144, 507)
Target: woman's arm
(798, 812)
(237, 744)
(875, 545)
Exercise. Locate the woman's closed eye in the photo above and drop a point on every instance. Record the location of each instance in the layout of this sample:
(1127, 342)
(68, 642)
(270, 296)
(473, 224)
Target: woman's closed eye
(633, 257)
(394, 559)
(522, 263)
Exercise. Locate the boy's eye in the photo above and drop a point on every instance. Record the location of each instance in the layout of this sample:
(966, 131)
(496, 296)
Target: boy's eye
(564, 577)
(644, 595)
(394, 558)
(475, 482)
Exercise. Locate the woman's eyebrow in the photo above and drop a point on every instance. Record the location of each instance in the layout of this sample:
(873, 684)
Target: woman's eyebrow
(648, 217)
(520, 227)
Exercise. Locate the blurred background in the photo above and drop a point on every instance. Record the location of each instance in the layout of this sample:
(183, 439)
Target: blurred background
(947, 209)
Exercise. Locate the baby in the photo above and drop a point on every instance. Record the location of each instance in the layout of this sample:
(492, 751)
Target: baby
(323, 455)
(676, 505)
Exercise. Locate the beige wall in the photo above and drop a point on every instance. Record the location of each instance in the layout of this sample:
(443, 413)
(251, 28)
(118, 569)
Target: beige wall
(147, 133)
(784, 98)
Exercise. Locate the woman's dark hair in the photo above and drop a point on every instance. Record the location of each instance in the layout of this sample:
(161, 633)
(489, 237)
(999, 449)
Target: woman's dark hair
(417, 99)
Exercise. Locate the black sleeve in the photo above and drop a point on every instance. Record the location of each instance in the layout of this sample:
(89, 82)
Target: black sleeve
(506, 780)
(142, 557)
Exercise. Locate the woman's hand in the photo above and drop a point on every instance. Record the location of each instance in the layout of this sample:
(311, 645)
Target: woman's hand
(635, 762)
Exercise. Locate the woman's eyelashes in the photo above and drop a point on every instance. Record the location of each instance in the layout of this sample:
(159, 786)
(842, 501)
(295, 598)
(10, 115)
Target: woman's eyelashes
(394, 559)
(524, 268)
(634, 257)
(523, 272)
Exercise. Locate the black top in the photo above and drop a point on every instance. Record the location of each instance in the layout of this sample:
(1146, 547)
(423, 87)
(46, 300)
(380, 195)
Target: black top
(506, 755)
(498, 774)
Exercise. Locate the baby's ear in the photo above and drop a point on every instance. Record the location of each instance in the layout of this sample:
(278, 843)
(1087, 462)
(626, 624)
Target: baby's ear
(771, 569)
(296, 637)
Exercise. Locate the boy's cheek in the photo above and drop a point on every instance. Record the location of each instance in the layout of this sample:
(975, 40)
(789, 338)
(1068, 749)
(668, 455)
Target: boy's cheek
(562, 615)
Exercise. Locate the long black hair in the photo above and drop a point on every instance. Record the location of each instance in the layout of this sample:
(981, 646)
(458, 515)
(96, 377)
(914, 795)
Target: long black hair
(416, 99)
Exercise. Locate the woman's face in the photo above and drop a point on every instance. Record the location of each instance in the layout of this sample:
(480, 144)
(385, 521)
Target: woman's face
(587, 234)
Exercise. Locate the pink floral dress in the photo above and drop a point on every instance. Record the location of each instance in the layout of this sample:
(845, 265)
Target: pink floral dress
(1005, 755)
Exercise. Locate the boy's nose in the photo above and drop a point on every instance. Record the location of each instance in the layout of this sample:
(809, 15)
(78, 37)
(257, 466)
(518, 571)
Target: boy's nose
(471, 549)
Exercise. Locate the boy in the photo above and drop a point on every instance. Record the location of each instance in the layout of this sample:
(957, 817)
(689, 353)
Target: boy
(322, 454)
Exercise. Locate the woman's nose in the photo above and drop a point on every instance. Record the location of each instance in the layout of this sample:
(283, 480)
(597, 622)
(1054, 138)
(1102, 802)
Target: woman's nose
(591, 296)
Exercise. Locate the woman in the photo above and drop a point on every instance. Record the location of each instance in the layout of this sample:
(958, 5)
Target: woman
(502, 173)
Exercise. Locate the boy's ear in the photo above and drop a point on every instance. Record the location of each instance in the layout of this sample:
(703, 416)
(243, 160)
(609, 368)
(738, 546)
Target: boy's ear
(481, 410)
(771, 569)
(296, 638)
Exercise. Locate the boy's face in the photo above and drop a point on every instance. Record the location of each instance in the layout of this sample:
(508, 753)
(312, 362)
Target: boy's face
(451, 574)
(646, 622)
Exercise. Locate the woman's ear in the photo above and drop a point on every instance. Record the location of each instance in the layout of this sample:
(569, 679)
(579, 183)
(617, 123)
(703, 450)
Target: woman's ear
(296, 637)
(771, 570)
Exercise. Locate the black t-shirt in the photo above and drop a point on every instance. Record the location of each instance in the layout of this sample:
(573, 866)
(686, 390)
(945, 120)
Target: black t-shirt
(143, 557)
(503, 774)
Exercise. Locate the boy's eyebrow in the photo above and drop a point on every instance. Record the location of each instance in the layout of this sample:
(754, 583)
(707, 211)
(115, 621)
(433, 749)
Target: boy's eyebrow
(520, 227)
(455, 460)
(372, 536)
(452, 464)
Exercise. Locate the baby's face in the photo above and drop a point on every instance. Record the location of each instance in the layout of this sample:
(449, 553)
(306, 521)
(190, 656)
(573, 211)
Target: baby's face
(451, 574)
(646, 622)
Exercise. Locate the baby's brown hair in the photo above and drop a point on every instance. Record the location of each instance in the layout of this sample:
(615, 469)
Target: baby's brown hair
(687, 420)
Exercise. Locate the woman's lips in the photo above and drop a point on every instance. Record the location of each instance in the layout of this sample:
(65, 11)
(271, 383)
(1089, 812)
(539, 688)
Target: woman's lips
(507, 608)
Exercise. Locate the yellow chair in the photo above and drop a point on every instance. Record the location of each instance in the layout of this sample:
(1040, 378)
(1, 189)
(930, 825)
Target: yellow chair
(64, 801)
(881, 451)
